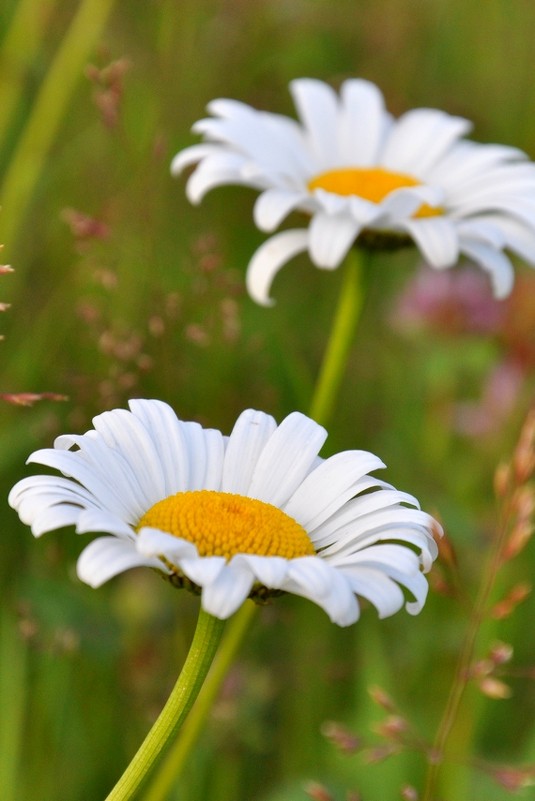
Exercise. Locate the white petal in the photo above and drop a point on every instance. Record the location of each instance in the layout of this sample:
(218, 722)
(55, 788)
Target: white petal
(467, 159)
(169, 433)
(330, 239)
(436, 238)
(268, 260)
(191, 155)
(273, 205)
(207, 177)
(245, 444)
(126, 434)
(483, 229)
(197, 446)
(70, 464)
(401, 204)
(494, 262)
(274, 142)
(419, 138)
(518, 237)
(95, 520)
(318, 108)
(31, 496)
(385, 521)
(287, 457)
(329, 486)
(227, 593)
(215, 454)
(376, 587)
(53, 518)
(202, 570)
(151, 542)
(363, 125)
(314, 579)
(106, 557)
(270, 571)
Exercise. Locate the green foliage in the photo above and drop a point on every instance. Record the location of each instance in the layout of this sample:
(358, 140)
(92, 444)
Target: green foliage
(122, 289)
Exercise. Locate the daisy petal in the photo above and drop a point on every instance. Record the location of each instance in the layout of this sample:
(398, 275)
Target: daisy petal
(106, 557)
(377, 588)
(274, 205)
(268, 260)
(151, 542)
(329, 486)
(246, 442)
(436, 238)
(364, 123)
(494, 262)
(271, 571)
(419, 138)
(222, 597)
(312, 578)
(290, 451)
(330, 239)
(317, 106)
(191, 155)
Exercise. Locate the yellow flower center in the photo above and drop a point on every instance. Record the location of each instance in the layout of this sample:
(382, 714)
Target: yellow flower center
(370, 183)
(223, 524)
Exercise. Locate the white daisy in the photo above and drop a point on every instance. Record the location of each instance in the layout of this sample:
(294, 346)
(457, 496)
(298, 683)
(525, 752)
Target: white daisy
(247, 515)
(358, 172)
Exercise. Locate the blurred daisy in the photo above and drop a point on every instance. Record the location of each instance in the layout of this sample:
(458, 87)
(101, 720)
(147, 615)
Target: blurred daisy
(249, 515)
(360, 174)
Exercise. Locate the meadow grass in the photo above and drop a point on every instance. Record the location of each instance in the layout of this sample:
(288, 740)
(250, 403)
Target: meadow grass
(122, 289)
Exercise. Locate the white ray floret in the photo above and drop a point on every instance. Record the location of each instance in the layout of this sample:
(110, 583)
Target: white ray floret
(331, 532)
(353, 168)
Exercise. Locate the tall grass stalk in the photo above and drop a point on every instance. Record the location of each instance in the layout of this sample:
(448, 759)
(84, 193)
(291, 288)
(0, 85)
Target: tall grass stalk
(19, 50)
(26, 165)
(13, 684)
(513, 505)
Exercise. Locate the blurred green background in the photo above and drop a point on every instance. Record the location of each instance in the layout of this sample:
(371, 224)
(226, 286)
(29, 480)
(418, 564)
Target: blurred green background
(122, 289)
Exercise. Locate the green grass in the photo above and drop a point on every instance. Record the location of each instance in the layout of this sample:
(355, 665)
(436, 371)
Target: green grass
(156, 307)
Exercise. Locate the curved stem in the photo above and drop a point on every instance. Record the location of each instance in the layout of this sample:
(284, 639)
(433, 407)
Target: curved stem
(205, 642)
(345, 322)
(177, 757)
(334, 362)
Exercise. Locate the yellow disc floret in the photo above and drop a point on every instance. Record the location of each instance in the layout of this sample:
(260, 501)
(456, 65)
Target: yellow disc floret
(223, 524)
(370, 183)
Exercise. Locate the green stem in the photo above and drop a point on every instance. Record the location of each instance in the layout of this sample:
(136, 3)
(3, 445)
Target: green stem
(27, 162)
(202, 651)
(345, 322)
(335, 358)
(189, 734)
(26, 30)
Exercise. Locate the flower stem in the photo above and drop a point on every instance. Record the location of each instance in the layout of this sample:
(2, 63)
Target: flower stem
(177, 757)
(345, 322)
(323, 399)
(202, 651)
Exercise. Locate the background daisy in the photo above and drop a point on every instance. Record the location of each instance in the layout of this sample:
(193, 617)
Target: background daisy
(359, 172)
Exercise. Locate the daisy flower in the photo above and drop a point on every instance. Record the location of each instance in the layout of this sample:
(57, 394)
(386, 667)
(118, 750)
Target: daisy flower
(362, 175)
(253, 514)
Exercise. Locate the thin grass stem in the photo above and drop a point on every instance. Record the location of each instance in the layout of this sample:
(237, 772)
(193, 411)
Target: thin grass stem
(49, 108)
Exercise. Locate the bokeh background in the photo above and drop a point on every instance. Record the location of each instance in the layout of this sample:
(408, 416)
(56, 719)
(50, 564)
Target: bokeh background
(122, 289)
